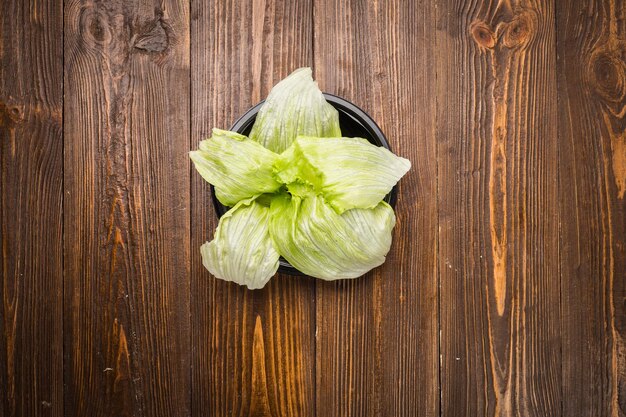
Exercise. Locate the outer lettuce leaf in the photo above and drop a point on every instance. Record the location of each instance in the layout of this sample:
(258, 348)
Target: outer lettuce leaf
(323, 244)
(295, 106)
(241, 250)
(349, 172)
(238, 167)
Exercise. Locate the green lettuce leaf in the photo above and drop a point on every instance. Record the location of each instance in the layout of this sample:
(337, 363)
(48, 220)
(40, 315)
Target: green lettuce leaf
(323, 244)
(349, 172)
(238, 167)
(295, 106)
(241, 250)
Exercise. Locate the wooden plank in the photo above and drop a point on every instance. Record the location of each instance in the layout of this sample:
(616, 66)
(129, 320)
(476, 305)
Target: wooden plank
(126, 208)
(253, 351)
(31, 200)
(592, 139)
(498, 208)
(377, 335)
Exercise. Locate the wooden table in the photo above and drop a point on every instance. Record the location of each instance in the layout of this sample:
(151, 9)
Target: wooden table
(504, 293)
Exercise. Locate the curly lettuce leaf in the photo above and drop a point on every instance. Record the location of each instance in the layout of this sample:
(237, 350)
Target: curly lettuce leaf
(309, 234)
(241, 250)
(295, 106)
(349, 172)
(238, 167)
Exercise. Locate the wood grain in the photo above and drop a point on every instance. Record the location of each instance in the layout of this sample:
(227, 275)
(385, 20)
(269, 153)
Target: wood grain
(498, 208)
(126, 210)
(253, 351)
(504, 293)
(592, 159)
(377, 337)
(31, 200)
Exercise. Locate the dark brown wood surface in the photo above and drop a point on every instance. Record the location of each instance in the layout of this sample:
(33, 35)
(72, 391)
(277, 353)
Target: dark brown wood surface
(377, 340)
(253, 352)
(126, 208)
(498, 220)
(31, 209)
(591, 41)
(504, 293)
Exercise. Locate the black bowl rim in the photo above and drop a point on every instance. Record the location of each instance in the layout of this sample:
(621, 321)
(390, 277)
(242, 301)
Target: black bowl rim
(352, 110)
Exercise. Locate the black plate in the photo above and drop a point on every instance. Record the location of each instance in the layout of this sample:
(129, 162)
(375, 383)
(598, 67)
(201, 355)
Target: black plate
(354, 123)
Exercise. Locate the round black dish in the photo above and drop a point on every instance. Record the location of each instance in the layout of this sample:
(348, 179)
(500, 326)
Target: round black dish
(354, 123)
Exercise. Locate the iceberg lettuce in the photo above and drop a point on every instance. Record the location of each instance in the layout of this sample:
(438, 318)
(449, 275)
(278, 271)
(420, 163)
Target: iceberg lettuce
(295, 106)
(297, 190)
(238, 167)
(349, 172)
(309, 234)
(241, 250)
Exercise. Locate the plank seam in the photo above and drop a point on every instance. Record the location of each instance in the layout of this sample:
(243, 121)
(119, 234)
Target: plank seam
(315, 282)
(438, 272)
(555, 5)
(190, 211)
(63, 210)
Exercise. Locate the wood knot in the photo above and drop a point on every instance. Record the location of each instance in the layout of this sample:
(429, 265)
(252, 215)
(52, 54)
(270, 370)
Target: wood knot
(154, 36)
(483, 35)
(606, 75)
(520, 30)
(94, 26)
(9, 115)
